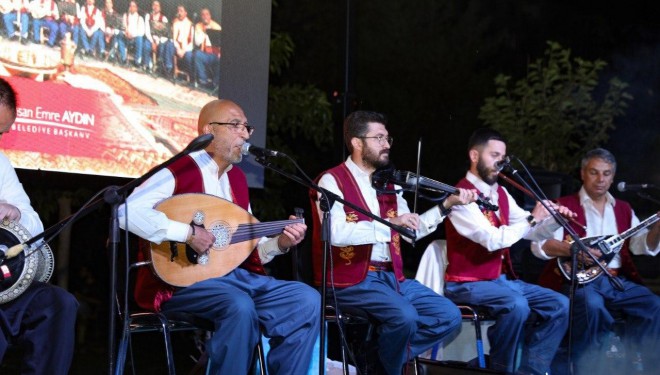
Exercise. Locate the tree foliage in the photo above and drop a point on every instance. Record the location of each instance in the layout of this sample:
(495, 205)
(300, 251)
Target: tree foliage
(559, 110)
(299, 124)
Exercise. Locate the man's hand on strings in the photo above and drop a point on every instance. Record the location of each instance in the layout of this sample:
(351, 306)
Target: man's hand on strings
(292, 234)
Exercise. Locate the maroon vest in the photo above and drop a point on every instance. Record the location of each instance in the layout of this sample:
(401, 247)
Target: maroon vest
(468, 260)
(552, 278)
(351, 263)
(150, 291)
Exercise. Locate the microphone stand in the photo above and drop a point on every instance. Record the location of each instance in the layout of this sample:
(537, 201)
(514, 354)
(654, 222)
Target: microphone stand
(578, 245)
(647, 197)
(114, 196)
(327, 201)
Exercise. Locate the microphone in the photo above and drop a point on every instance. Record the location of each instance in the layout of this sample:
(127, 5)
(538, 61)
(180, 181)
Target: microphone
(199, 143)
(622, 186)
(501, 164)
(259, 152)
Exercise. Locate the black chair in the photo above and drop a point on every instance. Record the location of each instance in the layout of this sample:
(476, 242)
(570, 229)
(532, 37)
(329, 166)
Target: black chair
(350, 316)
(165, 323)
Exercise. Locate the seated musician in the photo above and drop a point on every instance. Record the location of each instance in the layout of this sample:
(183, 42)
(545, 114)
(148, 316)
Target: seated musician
(92, 23)
(181, 44)
(480, 272)
(245, 299)
(113, 31)
(42, 319)
(69, 21)
(597, 300)
(15, 13)
(133, 35)
(367, 266)
(44, 15)
(207, 57)
(157, 33)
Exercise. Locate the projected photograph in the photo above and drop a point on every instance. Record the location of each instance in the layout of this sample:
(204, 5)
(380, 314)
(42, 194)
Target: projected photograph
(107, 87)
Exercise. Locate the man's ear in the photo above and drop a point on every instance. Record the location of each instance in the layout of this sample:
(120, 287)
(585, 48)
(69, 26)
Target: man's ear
(474, 155)
(356, 143)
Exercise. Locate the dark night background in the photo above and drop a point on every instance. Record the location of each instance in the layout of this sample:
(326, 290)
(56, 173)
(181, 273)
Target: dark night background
(428, 65)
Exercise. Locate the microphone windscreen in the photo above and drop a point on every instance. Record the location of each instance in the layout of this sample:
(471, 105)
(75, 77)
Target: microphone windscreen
(621, 186)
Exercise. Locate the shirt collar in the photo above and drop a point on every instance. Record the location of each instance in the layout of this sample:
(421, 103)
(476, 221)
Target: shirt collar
(481, 185)
(585, 199)
(355, 169)
(205, 161)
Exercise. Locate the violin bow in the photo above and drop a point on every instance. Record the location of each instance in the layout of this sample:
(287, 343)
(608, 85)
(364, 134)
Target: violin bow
(419, 157)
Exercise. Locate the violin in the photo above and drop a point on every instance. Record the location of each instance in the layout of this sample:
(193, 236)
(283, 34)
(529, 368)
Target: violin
(409, 181)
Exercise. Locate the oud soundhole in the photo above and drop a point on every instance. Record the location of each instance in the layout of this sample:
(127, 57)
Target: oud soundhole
(222, 234)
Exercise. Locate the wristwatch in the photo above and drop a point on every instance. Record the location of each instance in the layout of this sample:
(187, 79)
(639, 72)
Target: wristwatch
(443, 210)
(531, 221)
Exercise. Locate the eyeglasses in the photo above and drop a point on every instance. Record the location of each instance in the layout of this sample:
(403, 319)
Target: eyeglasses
(382, 139)
(236, 127)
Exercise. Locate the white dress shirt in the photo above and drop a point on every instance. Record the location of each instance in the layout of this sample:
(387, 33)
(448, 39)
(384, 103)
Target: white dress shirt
(598, 225)
(134, 24)
(11, 192)
(369, 232)
(471, 223)
(155, 226)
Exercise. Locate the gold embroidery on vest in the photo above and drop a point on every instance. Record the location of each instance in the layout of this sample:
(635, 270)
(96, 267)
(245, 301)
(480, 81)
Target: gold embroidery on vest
(490, 217)
(396, 242)
(351, 217)
(347, 253)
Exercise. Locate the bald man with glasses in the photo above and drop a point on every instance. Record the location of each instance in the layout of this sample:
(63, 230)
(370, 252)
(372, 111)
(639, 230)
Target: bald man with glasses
(244, 302)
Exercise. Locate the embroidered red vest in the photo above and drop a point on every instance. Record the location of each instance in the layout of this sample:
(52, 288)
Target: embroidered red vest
(552, 278)
(150, 291)
(468, 260)
(351, 263)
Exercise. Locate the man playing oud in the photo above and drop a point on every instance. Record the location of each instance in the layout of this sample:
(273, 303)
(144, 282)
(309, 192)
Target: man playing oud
(245, 301)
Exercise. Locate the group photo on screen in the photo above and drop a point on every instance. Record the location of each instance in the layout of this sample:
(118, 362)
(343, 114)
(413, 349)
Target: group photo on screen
(115, 84)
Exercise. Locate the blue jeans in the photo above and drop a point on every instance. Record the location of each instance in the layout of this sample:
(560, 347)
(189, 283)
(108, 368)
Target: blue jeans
(10, 27)
(73, 29)
(241, 302)
(97, 41)
(42, 321)
(148, 52)
(412, 317)
(52, 27)
(123, 43)
(592, 324)
(207, 64)
(511, 302)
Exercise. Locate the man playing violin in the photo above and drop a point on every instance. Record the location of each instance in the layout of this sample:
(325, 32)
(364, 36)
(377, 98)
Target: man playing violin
(42, 319)
(367, 267)
(480, 271)
(245, 301)
(597, 301)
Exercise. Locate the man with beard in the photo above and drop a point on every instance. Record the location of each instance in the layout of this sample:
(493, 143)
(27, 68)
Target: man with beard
(480, 271)
(367, 268)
